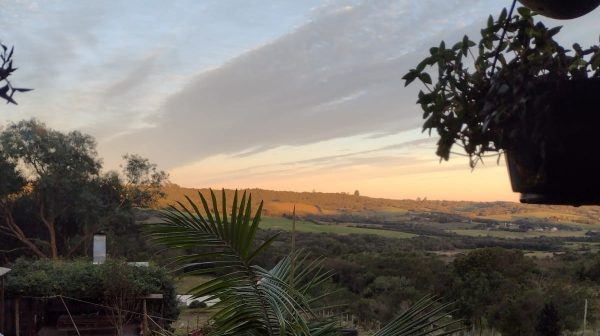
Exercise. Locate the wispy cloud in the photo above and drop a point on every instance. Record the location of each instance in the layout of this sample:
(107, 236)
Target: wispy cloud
(338, 75)
(239, 83)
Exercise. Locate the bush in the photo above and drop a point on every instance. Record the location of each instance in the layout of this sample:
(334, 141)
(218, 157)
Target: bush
(97, 283)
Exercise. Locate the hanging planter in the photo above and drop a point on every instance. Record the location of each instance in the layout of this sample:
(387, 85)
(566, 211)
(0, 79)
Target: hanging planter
(562, 9)
(527, 96)
(562, 168)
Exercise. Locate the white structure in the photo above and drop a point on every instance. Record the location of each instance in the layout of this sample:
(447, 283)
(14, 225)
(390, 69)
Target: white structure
(187, 299)
(99, 249)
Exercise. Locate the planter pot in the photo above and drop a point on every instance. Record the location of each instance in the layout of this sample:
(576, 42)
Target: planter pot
(563, 167)
(561, 9)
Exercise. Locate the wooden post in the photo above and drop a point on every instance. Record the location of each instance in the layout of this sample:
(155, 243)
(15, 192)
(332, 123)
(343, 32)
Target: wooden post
(584, 316)
(145, 323)
(293, 253)
(17, 310)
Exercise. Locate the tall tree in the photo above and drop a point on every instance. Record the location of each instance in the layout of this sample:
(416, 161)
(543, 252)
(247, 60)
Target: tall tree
(143, 181)
(55, 198)
(60, 171)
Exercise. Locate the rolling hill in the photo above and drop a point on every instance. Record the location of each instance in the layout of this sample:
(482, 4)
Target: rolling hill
(345, 207)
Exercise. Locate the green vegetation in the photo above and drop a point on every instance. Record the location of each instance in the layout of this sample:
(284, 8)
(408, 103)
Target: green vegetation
(518, 69)
(274, 223)
(252, 300)
(258, 301)
(518, 234)
(54, 197)
(114, 284)
(7, 90)
(185, 283)
(373, 270)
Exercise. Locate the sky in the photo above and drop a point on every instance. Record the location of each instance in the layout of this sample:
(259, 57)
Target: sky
(295, 95)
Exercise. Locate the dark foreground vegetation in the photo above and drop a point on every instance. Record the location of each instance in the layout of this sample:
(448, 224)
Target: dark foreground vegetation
(494, 288)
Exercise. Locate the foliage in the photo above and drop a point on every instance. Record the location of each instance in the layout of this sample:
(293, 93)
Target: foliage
(547, 323)
(8, 90)
(83, 280)
(59, 170)
(483, 276)
(421, 319)
(143, 181)
(511, 80)
(254, 300)
(54, 196)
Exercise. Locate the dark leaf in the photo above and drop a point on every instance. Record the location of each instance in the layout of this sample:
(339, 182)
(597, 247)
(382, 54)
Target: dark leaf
(22, 89)
(425, 78)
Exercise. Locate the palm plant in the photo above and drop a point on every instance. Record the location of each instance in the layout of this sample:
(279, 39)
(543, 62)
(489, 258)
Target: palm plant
(253, 300)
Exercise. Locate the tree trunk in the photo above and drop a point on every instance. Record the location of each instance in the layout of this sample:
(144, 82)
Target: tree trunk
(49, 222)
(15, 231)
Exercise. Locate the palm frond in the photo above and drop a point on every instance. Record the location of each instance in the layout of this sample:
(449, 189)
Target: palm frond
(426, 317)
(252, 300)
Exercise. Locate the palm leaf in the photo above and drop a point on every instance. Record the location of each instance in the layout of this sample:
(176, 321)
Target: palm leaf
(253, 301)
(422, 318)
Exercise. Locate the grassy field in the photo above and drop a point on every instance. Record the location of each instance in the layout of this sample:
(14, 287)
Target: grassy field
(517, 235)
(184, 283)
(279, 223)
(561, 218)
(191, 319)
(582, 247)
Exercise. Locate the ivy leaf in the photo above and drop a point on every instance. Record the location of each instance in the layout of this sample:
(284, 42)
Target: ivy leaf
(427, 61)
(425, 78)
(554, 31)
(503, 15)
(410, 76)
(524, 11)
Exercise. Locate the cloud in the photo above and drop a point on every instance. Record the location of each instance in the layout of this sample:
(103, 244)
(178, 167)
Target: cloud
(338, 75)
(132, 80)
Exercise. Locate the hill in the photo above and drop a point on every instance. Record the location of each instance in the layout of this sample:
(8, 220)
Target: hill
(343, 207)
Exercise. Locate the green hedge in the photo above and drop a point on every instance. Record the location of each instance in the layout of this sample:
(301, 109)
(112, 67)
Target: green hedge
(82, 280)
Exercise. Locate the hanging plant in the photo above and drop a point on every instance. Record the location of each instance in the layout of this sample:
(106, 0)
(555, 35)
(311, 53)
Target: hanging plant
(562, 9)
(514, 90)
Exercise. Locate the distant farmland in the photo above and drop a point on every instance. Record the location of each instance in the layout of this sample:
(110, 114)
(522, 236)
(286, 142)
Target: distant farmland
(278, 223)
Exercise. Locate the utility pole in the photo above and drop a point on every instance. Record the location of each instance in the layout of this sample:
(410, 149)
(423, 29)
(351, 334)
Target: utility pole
(293, 254)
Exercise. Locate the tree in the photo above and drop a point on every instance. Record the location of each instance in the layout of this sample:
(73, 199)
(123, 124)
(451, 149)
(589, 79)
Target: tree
(253, 300)
(143, 181)
(58, 169)
(482, 276)
(55, 198)
(548, 321)
(8, 90)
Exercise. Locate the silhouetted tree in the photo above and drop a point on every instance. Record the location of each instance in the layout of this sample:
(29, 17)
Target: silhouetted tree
(53, 197)
(548, 321)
